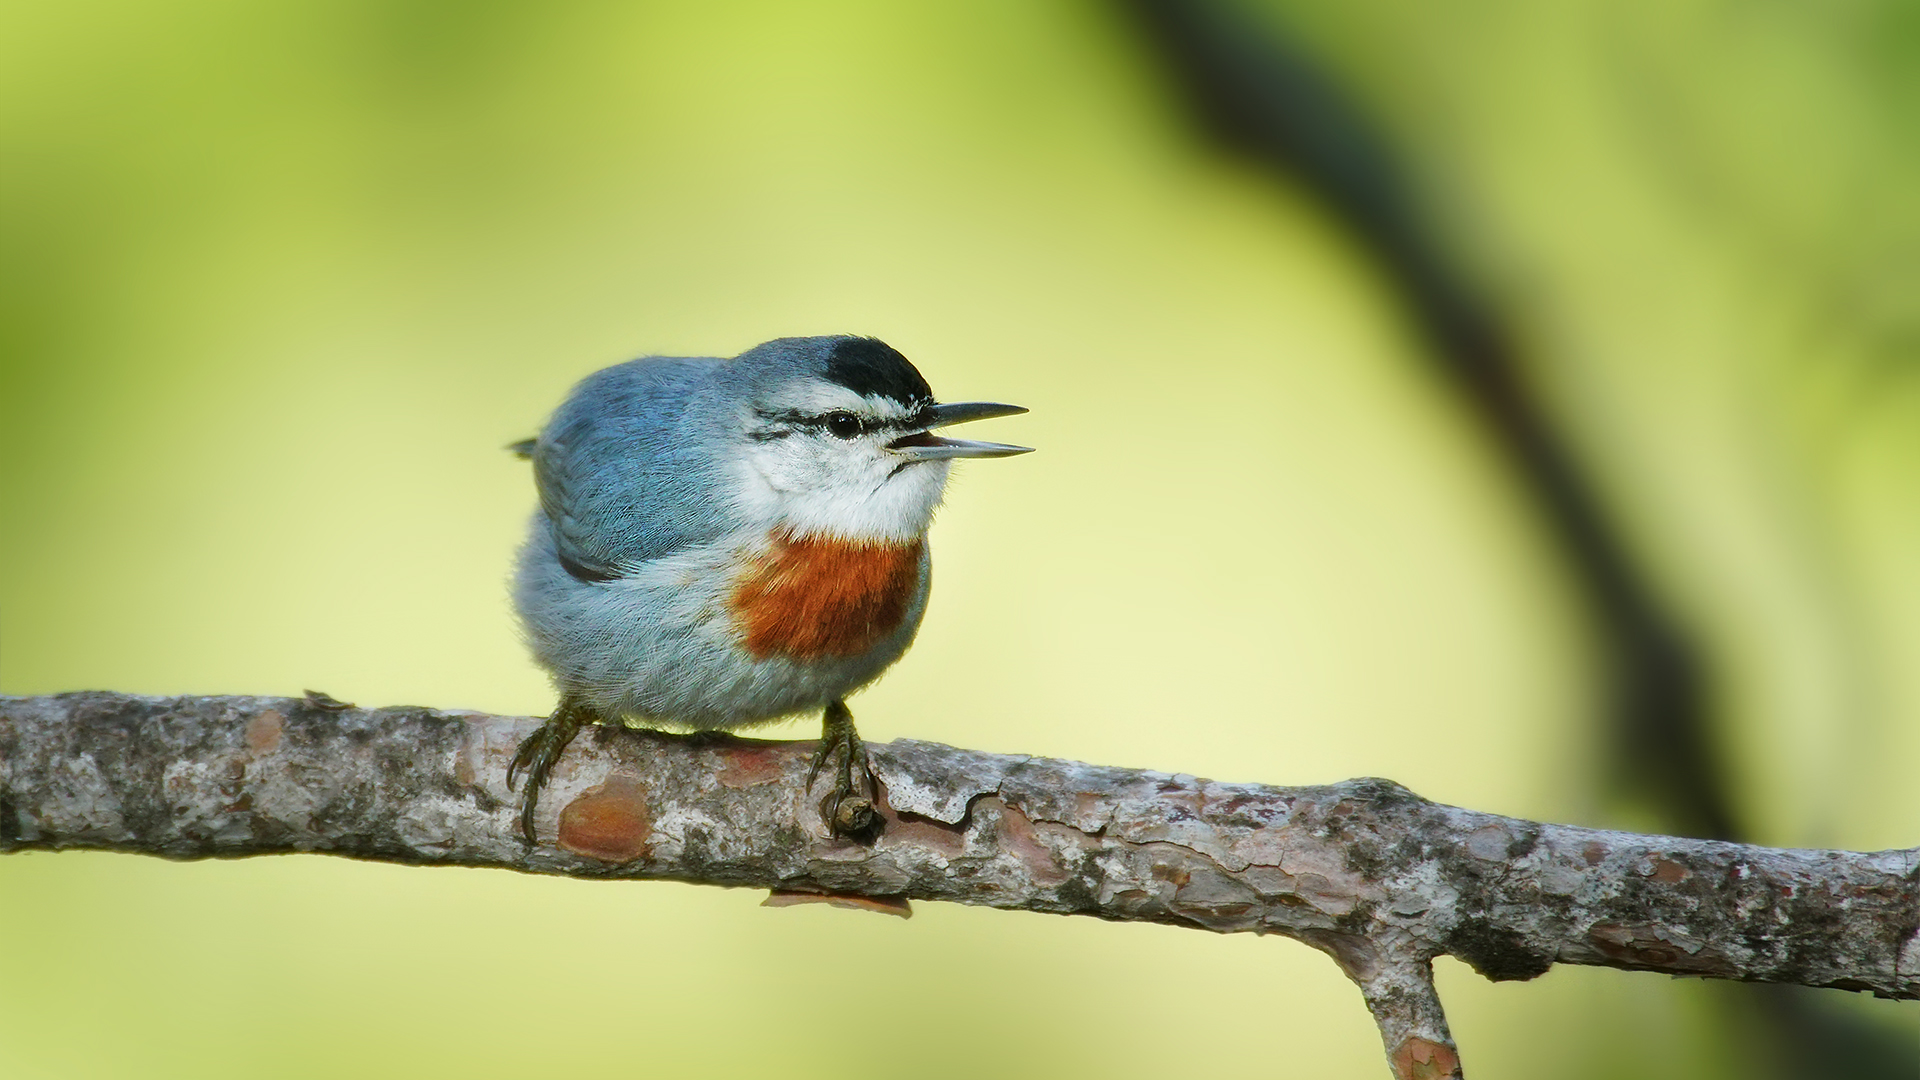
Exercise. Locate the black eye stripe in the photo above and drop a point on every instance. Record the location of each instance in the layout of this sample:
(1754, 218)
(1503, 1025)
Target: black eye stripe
(840, 423)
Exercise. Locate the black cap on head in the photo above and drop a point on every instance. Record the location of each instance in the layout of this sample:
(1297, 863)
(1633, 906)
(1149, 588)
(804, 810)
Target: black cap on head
(872, 368)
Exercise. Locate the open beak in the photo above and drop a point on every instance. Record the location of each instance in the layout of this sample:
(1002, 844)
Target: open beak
(926, 446)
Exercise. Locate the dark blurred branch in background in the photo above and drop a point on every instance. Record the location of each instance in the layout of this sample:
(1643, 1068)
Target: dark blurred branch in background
(1366, 871)
(1260, 97)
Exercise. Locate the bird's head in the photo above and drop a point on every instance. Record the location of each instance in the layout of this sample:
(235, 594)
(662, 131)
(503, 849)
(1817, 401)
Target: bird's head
(839, 438)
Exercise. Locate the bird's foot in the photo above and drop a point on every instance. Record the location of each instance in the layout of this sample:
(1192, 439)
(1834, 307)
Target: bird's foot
(847, 811)
(539, 752)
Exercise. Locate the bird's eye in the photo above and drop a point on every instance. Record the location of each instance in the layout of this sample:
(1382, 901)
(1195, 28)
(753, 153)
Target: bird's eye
(844, 425)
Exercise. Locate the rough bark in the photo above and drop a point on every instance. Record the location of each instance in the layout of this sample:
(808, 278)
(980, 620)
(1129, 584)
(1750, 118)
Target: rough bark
(1377, 877)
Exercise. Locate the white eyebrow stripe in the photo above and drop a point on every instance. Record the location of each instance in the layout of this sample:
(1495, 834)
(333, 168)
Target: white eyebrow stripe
(817, 398)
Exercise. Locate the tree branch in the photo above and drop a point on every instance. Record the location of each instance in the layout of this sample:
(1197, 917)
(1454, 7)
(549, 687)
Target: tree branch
(1377, 877)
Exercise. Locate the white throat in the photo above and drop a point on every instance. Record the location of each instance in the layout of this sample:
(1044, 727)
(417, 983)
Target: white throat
(858, 491)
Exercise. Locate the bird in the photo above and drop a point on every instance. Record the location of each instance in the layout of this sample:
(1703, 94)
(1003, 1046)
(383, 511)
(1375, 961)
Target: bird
(722, 543)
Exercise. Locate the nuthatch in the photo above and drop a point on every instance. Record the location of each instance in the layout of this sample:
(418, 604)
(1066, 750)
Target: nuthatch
(726, 542)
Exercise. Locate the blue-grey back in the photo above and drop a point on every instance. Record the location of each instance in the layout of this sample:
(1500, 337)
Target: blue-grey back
(628, 466)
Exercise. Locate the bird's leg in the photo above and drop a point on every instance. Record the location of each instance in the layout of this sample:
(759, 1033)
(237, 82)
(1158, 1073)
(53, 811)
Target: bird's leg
(541, 750)
(847, 813)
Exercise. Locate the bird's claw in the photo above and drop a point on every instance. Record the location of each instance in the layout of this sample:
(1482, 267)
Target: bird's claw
(847, 808)
(536, 756)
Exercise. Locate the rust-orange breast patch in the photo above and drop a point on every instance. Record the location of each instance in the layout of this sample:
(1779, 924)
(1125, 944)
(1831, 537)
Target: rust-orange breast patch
(813, 598)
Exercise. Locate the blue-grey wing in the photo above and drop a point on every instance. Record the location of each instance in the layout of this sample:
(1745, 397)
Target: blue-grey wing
(629, 467)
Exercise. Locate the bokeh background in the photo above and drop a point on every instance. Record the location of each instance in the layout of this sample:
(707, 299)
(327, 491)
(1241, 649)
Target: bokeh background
(1519, 400)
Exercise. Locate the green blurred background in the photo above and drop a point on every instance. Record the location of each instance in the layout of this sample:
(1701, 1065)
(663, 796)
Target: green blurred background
(281, 280)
